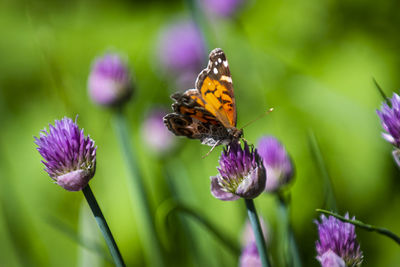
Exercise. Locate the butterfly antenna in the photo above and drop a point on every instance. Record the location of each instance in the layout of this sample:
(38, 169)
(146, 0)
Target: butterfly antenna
(259, 117)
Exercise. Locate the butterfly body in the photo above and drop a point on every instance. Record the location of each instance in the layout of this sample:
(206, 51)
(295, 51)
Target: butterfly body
(208, 112)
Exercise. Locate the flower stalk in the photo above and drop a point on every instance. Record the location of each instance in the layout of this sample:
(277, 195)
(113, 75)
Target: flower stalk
(330, 200)
(255, 224)
(138, 193)
(291, 255)
(170, 206)
(102, 223)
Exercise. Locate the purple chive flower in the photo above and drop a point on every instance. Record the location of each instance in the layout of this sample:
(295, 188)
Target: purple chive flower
(241, 174)
(223, 8)
(339, 238)
(69, 155)
(390, 119)
(110, 82)
(277, 163)
(154, 132)
(250, 256)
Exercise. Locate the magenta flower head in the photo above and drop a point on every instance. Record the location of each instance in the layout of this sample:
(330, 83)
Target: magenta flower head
(241, 174)
(154, 132)
(69, 155)
(110, 83)
(337, 240)
(277, 163)
(222, 8)
(390, 119)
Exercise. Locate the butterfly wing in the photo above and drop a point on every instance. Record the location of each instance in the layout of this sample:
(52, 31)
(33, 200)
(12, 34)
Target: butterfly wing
(214, 84)
(192, 120)
(208, 112)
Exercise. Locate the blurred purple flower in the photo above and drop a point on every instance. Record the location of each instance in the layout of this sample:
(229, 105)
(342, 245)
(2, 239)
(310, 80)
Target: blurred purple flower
(181, 51)
(110, 83)
(69, 156)
(277, 163)
(241, 174)
(250, 256)
(154, 132)
(340, 238)
(223, 8)
(248, 233)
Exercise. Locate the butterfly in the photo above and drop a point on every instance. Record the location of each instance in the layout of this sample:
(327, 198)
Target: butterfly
(208, 112)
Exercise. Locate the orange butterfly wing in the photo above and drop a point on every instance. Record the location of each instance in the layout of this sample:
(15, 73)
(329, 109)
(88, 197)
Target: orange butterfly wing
(215, 87)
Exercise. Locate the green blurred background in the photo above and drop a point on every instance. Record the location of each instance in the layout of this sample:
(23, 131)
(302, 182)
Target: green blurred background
(313, 61)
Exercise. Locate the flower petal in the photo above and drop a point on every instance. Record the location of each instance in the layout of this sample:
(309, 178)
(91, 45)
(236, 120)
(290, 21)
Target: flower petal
(330, 259)
(218, 192)
(252, 185)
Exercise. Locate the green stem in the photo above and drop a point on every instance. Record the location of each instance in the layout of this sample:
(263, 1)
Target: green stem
(70, 233)
(169, 206)
(330, 201)
(255, 224)
(199, 20)
(368, 227)
(138, 194)
(105, 230)
(290, 249)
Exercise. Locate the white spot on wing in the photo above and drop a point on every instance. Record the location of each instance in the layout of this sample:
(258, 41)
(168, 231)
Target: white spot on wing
(226, 78)
(215, 71)
(226, 63)
(216, 63)
(219, 60)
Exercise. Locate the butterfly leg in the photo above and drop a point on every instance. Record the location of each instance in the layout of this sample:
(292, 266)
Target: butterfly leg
(244, 140)
(214, 146)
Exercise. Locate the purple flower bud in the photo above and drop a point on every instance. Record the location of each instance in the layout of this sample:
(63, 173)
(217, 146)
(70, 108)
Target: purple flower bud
(181, 48)
(110, 83)
(390, 119)
(155, 134)
(277, 163)
(250, 256)
(241, 174)
(340, 238)
(69, 155)
(223, 8)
